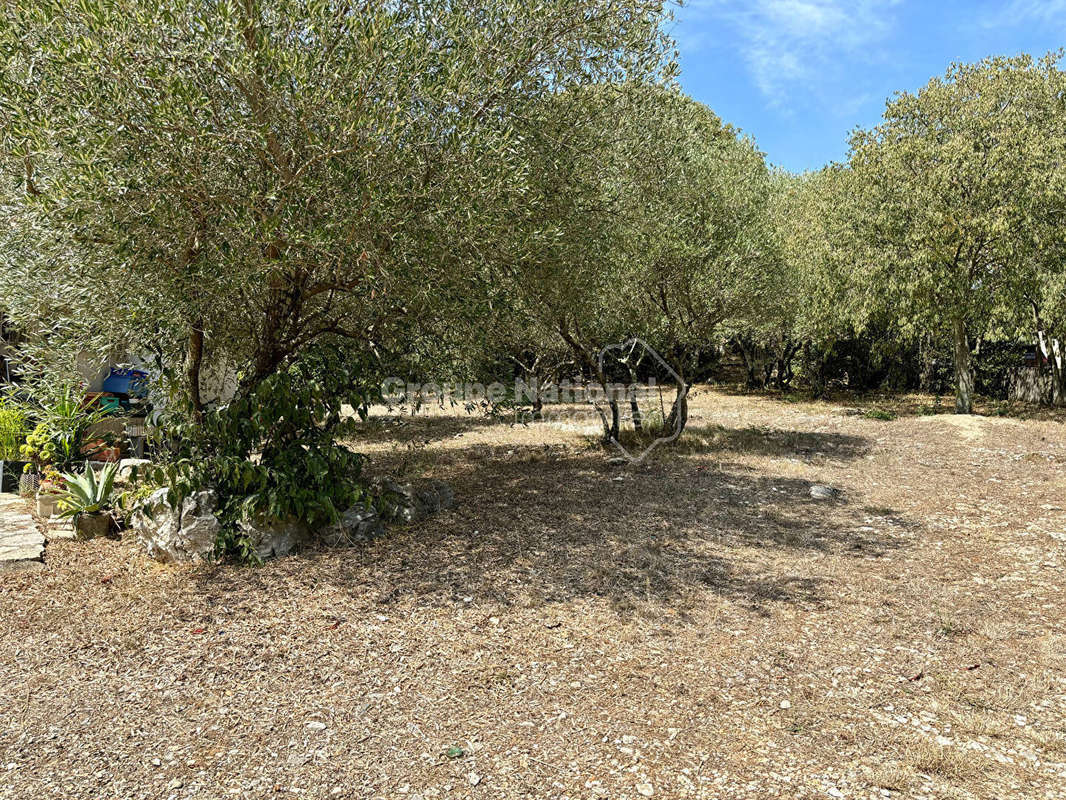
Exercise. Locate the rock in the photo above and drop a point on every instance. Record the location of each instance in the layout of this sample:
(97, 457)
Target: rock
(275, 537)
(175, 535)
(357, 524)
(645, 790)
(474, 778)
(820, 492)
(316, 726)
(411, 502)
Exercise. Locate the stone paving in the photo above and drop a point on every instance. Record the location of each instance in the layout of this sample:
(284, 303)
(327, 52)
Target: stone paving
(21, 543)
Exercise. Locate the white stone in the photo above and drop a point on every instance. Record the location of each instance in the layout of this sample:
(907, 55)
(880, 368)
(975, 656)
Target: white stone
(178, 535)
(820, 492)
(357, 524)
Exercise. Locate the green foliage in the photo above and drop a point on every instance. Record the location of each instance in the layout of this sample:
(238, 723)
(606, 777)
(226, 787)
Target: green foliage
(86, 493)
(960, 190)
(647, 219)
(240, 180)
(62, 432)
(273, 451)
(882, 414)
(13, 426)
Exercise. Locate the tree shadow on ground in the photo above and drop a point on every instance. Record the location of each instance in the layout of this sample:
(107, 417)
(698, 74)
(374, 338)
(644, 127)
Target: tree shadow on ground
(425, 428)
(530, 529)
(777, 442)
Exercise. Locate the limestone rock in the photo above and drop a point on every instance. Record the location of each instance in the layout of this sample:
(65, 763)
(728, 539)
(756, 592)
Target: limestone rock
(357, 524)
(411, 502)
(275, 537)
(180, 534)
(820, 492)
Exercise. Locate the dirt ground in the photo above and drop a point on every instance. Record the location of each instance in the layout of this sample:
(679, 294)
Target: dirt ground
(697, 627)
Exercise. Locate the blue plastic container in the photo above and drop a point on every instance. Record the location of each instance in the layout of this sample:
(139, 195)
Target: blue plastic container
(132, 382)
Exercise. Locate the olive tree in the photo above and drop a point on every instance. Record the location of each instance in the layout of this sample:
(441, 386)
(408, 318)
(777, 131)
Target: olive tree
(694, 240)
(823, 292)
(232, 181)
(249, 183)
(653, 224)
(953, 194)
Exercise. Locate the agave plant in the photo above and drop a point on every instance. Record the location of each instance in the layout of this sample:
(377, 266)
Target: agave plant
(87, 493)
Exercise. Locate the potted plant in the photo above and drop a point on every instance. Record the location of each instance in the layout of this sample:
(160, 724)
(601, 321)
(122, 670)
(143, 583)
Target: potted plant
(86, 500)
(68, 424)
(49, 493)
(38, 451)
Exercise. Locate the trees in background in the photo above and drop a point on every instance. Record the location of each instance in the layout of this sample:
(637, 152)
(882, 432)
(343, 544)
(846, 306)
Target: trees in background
(652, 223)
(693, 239)
(819, 296)
(240, 182)
(958, 193)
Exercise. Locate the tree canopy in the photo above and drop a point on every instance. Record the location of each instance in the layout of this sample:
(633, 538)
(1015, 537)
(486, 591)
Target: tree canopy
(958, 189)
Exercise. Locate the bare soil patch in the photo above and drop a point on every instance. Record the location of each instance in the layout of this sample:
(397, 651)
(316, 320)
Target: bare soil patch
(697, 627)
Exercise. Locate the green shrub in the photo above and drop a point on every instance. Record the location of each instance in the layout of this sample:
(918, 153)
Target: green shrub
(881, 414)
(13, 426)
(937, 407)
(273, 451)
(60, 436)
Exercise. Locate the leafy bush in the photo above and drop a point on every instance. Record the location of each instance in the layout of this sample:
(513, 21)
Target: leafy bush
(880, 414)
(13, 427)
(271, 452)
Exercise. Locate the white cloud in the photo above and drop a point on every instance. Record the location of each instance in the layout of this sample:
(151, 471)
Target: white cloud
(1019, 11)
(790, 42)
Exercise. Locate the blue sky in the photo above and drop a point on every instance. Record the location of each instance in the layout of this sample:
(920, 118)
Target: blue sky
(799, 75)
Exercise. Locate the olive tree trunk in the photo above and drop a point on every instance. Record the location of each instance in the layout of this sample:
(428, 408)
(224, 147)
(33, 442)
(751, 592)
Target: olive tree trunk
(964, 377)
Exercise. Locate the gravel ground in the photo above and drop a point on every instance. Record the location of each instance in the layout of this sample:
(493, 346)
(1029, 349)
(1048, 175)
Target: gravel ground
(699, 627)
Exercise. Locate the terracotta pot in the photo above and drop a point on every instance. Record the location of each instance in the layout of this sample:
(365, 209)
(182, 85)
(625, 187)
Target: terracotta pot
(97, 451)
(89, 526)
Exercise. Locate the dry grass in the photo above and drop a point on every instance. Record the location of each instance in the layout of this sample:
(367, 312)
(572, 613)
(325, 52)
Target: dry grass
(943, 761)
(697, 627)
